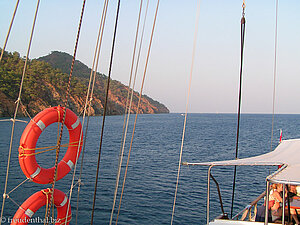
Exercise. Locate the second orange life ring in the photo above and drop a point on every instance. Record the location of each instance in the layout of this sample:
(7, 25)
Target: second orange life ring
(30, 136)
(36, 201)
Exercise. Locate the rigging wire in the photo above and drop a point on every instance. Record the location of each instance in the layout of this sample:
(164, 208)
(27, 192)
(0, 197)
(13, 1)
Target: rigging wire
(13, 201)
(89, 95)
(15, 188)
(186, 107)
(105, 108)
(275, 72)
(243, 24)
(138, 107)
(64, 111)
(24, 110)
(5, 120)
(9, 29)
(17, 107)
(129, 102)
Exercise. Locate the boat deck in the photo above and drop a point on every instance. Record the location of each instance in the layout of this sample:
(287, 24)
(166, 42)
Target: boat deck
(232, 222)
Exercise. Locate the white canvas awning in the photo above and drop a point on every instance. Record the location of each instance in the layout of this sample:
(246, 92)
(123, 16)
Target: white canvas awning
(289, 175)
(286, 153)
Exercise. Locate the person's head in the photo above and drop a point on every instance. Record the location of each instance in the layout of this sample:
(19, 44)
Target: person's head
(279, 187)
(274, 186)
(292, 188)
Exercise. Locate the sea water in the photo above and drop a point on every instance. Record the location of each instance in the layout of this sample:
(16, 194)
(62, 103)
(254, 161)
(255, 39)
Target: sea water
(150, 185)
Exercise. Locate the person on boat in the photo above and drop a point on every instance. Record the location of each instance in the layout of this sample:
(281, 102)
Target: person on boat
(275, 202)
(293, 196)
(273, 188)
(293, 192)
(260, 215)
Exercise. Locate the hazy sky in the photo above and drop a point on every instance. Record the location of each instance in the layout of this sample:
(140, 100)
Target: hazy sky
(216, 71)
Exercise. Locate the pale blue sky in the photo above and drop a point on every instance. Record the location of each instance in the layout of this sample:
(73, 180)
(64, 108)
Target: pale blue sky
(216, 72)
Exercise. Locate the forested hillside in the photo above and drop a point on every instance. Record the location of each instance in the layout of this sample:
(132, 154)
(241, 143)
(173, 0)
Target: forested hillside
(45, 86)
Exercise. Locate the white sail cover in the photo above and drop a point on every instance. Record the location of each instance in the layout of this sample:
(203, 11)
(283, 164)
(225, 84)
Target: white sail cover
(286, 153)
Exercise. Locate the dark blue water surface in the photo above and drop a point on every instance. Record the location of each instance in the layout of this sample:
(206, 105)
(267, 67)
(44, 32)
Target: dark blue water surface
(151, 178)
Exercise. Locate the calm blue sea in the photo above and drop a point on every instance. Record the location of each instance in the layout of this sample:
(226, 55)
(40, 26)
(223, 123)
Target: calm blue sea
(150, 184)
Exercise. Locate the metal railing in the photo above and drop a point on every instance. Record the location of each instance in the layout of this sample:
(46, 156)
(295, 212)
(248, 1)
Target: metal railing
(247, 211)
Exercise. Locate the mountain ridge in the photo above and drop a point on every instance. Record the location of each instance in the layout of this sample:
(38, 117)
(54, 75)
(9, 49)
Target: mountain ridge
(45, 84)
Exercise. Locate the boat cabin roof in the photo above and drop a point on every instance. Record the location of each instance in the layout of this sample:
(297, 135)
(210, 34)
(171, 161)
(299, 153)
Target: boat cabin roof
(286, 154)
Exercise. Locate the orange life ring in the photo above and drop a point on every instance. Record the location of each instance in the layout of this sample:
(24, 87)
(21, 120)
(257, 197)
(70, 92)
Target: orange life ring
(39, 199)
(29, 138)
